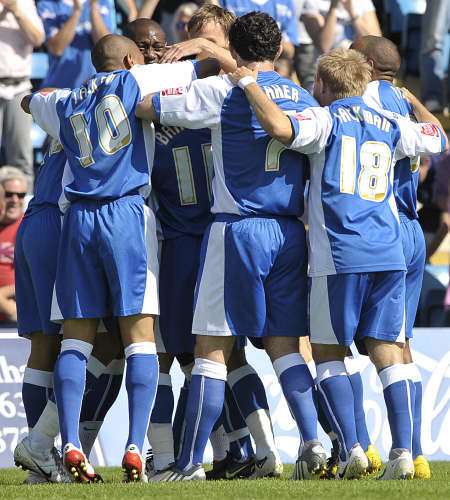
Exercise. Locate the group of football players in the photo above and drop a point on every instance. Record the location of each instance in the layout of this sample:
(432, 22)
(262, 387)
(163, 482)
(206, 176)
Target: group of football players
(176, 190)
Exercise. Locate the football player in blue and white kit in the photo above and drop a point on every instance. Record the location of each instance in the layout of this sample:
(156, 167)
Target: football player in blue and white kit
(382, 93)
(252, 279)
(99, 272)
(356, 261)
(181, 180)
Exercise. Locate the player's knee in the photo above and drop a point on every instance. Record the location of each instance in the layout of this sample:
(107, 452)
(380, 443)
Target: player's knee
(305, 349)
(216, 349)
(322, 353)
(165, 362)
(137, 328)
(276, 347)
(44, 351)
(407, 354)
(383, 354)
(237, 359)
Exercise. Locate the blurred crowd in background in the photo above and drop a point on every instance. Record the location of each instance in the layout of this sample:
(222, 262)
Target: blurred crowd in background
(47, 43)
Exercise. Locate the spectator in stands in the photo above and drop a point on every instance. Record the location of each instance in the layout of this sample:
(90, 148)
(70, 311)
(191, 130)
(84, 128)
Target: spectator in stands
(283, 11)
(180, 21)
(20, 31)
(433, 63)
(71, 30)
(305, 53)
(14, 189)
(336, 23)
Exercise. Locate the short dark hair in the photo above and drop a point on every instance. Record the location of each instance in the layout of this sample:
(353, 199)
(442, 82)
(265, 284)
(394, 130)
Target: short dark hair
(255, 37)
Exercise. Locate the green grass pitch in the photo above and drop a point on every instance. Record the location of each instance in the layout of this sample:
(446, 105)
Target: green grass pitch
(274, 489)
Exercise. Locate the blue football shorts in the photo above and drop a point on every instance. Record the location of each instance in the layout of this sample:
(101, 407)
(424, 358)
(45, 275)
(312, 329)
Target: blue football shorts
(107, 260)
(415, 253)
(350, 307)
(35, 260)
(178, 269)
(252, 278)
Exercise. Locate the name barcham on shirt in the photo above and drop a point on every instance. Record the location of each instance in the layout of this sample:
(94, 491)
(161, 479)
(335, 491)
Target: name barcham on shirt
(281, 92)
(91, 86)
(165, 133)
(357, 114)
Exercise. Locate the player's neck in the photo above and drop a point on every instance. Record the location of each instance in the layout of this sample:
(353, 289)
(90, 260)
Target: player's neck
(388, 77)
(260, 65)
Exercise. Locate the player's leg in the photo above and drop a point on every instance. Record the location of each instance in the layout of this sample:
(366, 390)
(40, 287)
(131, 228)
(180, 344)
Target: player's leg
(352, 365)
(287, 297)
(331, 334)
(382, 328)
(103, 381)
(160, 433)
(179, 424)
(35, 265)
(414, 250)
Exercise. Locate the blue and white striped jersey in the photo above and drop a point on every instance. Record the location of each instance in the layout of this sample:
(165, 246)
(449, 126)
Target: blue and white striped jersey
(253, 173)
(181, 180)
(108, 153)
(50, 180)
(382, 94)
(353, 218)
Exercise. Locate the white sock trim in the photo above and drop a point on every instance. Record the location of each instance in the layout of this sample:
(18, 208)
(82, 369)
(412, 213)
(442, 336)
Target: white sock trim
(312, 369)
(95, 366)
(352, 365)
(165, 379)
(330, 369)
(282, 364)
(207, 368)
(240, 373)
(85, 348)
(40, 378)
(413, 372)
(393, 374)
(140, 348)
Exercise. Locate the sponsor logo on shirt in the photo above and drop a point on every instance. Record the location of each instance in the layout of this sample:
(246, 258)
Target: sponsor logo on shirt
(430, 129)
(300, 117)
(174, 91)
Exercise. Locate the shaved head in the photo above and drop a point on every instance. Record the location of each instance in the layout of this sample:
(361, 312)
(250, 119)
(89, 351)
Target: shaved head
(111, 52)
(149, 37)
(382, 53)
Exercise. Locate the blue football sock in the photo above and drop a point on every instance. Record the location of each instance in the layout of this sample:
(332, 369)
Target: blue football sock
(203, 408)
(241, 447)
(250, 396)
(416, 379)
(69, 382)
(298, 389)
(141, 382)
(102, 388)
(178, 420)
(336, 394)
(398, 395)
(160, 434)
(36, 388)
(352, 367)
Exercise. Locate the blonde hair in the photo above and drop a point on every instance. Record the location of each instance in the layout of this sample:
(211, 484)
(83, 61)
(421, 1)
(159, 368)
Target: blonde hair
(211, 13)
(344, 72)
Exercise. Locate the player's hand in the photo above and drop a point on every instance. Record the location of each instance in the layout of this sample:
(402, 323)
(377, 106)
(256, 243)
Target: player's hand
(193, 47)
(348, 6)
(409, 96)
(10, 5)
(241, 73)
(76, 5)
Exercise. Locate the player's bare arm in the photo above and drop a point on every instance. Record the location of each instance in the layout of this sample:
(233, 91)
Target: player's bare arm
(421, 112)
(214, 57)
(269, 115)
(145, 109)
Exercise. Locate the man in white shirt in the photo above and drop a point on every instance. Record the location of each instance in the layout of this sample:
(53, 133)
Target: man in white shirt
(20, 31)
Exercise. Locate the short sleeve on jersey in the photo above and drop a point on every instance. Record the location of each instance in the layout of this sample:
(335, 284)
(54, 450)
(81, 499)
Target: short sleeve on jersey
(43, 109)
(312, 128)
(198, 106)
(153, 78)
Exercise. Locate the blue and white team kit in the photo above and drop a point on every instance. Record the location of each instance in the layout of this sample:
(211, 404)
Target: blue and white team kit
(356, 261)
(181, 178)
(252, 278)
(110, 155)
(384, 95)
(36, 249)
